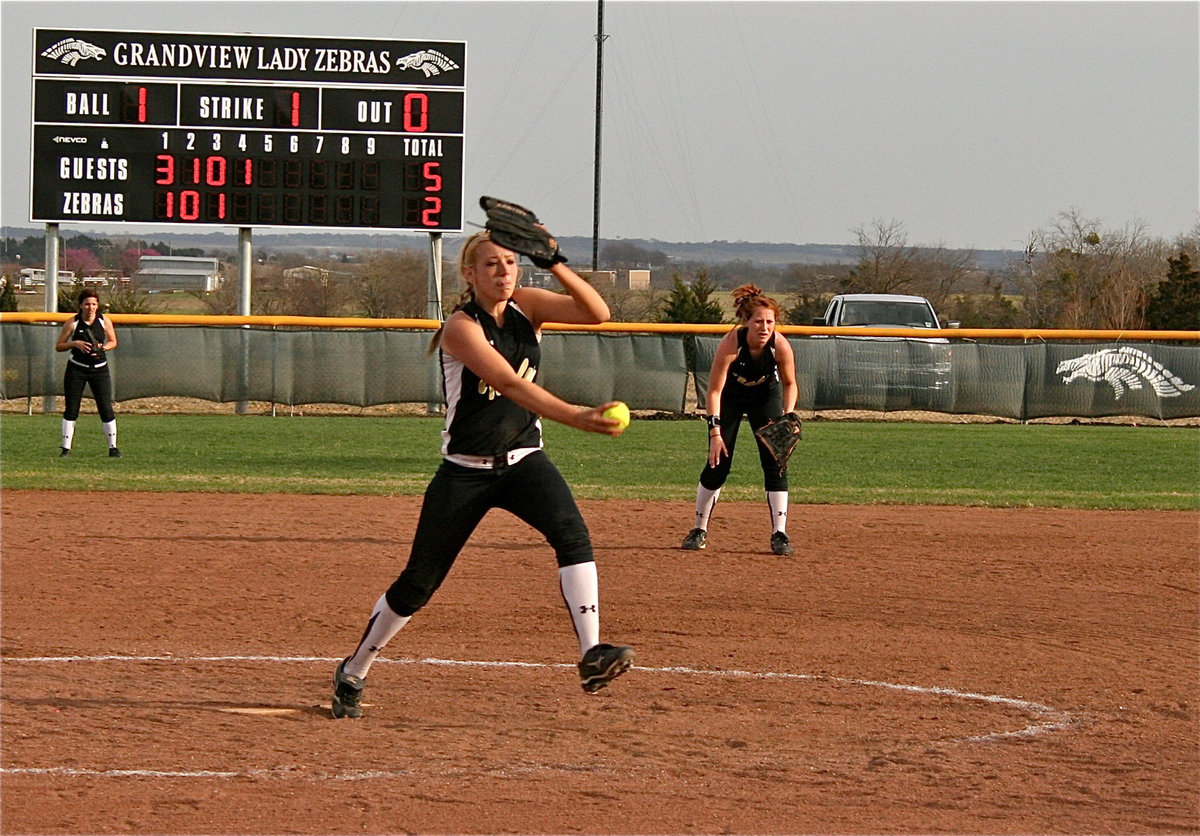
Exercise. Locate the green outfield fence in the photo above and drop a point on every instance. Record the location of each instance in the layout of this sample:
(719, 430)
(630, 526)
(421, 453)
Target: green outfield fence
(1009, 373)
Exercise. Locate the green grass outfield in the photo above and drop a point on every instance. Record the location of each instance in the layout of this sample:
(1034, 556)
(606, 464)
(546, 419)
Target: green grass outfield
(998, 465)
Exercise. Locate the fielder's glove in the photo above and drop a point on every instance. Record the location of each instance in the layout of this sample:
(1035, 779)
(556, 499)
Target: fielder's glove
(516, 228)
(780, 437)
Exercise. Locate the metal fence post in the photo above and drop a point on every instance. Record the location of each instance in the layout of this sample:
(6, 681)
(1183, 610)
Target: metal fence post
(245, 266)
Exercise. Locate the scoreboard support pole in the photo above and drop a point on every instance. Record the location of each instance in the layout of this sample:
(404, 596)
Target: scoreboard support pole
(433, 305)
(245, 268)
(51, 306)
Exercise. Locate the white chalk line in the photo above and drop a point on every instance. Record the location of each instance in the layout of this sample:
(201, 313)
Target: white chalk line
(1055, 719)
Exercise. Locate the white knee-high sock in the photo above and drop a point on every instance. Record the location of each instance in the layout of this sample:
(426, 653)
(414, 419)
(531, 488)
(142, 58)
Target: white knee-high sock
(706, 501)
(68, 433)
(383, 625)
(777, 501)
(580, 586)
(110, 432)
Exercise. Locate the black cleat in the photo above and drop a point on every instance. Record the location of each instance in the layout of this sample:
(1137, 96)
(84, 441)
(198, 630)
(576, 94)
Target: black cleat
(114, 453)
(66, 451)
(780, 544)
(602, 664)
(347, 691)
(697, 539)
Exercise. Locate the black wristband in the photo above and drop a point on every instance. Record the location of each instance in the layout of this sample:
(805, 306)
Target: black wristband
(714, 423)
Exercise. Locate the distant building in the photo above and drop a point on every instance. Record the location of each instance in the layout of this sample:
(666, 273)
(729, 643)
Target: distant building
(310, 273)
(618, 279)
(535, 279)
(104, 278)
(33, 277)
(177, 272)
(622, 279)
(638, 279)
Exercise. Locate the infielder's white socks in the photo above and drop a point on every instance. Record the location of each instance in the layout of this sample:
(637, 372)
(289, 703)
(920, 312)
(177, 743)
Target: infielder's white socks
(706, 500)
(777, 501)
(68, 433)
(110, 432)
(382, 627)
(581, 590)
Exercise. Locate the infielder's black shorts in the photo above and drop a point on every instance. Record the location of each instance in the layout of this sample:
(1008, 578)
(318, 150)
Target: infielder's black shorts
(758, 412)
(75, 379)
(456, 501)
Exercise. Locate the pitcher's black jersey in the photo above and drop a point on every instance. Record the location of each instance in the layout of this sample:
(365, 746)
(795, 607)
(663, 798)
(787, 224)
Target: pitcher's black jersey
(479, 420)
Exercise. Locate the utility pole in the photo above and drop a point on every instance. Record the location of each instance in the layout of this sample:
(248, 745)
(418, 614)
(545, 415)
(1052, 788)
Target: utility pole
(599, 108)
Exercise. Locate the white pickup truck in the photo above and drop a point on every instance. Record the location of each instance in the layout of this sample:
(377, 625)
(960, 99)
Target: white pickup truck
(889, 372)
(878, 310)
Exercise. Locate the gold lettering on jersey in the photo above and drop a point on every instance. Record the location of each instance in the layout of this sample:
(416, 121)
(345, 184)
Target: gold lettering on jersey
(524, 370)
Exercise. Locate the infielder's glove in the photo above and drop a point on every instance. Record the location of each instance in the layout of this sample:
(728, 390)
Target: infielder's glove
(516, 228)
(780, 437)
(94, 349)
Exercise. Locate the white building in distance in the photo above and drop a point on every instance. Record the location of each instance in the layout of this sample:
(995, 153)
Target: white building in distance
(177, 272)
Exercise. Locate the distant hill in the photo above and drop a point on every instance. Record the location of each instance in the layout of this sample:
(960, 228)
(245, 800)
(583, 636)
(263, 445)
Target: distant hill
(331, 244)
(719, 252)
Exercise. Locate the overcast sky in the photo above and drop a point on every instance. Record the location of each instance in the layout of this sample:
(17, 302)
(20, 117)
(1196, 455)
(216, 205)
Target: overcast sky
(970, 123)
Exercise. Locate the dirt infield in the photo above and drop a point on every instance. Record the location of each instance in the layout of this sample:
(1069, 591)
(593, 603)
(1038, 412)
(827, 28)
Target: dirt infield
(166, 666)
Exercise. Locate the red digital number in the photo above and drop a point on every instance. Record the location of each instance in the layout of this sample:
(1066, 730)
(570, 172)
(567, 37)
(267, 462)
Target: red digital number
(430, 215)
(243, 172)
(215, 206)
(164, 205)
(430, 171)
(189, 205)
(214, 171)
(416, 112)
(164, 170)
(133, 105)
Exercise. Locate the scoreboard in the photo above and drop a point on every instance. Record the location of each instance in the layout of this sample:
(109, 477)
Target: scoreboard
(247, 130)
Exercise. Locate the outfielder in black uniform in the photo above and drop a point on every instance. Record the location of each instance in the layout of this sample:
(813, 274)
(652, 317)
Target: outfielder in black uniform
(492, 457)
(89, 336)
(753, 375)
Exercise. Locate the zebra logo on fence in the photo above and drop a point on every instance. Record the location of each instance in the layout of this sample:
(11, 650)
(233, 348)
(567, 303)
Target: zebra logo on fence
(1124, 368)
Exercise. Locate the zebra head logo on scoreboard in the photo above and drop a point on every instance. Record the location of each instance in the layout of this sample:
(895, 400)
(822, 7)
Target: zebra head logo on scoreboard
(429, 61)
(71, 50)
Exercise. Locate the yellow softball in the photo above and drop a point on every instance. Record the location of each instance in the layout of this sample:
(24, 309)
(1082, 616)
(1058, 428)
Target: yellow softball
(619, 411)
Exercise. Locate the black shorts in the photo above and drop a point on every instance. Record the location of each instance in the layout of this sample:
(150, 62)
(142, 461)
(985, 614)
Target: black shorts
(100, 381)
(456, 501)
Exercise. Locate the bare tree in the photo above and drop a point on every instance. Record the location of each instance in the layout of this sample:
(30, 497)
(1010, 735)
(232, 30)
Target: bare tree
(642, 305)
(268, 295)
(1074, 274)
(224, 300)
(940, 273)
(811, 286)
(1131, 263)
(394, 284)
(314, 291)
(888, 264)
(884, 259)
